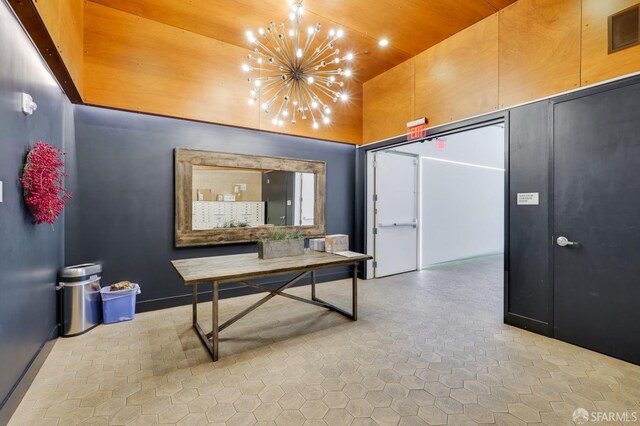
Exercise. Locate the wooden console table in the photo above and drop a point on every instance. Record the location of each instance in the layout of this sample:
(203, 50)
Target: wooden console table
(241, 267)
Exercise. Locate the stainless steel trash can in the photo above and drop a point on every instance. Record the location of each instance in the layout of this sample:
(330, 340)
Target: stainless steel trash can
(79, 298)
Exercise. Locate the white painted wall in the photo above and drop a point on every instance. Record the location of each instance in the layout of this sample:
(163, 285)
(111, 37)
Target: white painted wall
(462, 195)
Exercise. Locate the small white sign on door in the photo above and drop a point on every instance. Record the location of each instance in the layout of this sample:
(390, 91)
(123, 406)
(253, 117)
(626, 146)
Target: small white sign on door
(528, 198)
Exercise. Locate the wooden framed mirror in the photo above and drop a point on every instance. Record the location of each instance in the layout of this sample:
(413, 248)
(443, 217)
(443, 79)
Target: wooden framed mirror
(223, 198)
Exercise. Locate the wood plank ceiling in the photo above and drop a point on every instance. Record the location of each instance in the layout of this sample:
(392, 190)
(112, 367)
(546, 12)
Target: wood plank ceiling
(411, 26)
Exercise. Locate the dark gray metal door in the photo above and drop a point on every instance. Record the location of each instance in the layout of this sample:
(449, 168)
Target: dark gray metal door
(596, 148)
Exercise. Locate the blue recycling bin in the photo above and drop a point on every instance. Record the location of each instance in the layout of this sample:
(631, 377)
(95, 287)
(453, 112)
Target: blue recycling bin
(119, 305)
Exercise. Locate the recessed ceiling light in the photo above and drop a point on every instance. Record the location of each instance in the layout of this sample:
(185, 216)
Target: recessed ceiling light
(383, 42)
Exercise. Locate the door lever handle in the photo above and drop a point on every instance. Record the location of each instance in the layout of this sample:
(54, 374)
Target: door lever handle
(564, 242)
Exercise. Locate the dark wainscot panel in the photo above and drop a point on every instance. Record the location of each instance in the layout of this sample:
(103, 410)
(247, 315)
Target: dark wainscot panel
(30, 255)
(123, 211)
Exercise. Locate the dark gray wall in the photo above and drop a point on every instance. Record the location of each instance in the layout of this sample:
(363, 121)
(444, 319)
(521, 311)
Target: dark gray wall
(123, 209)
(528, 297)
(30, 255)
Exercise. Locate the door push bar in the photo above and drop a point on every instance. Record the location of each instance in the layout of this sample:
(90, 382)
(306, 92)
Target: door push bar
(388, 225)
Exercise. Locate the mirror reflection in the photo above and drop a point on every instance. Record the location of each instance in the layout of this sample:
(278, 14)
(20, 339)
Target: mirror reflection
(227, 197)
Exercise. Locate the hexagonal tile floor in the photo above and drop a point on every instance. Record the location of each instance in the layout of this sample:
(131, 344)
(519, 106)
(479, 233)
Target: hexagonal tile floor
(429, 348)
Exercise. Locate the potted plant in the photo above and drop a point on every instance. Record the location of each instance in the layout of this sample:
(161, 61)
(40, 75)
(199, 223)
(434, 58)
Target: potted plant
(281, 244)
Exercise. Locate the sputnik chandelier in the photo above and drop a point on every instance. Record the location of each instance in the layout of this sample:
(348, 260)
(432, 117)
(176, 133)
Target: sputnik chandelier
(299, 73)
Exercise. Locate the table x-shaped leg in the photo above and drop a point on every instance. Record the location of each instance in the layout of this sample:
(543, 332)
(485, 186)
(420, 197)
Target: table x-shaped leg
(210, 340)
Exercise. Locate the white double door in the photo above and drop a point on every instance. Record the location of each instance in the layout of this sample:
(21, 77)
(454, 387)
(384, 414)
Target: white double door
(395, 203)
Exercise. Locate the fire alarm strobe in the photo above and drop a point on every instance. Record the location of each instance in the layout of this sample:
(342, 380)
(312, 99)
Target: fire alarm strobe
(28, 106)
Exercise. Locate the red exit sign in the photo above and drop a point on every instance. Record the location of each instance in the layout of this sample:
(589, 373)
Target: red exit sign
(417, 129)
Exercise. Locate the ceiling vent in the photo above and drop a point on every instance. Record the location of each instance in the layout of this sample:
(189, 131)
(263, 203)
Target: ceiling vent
(624, 29)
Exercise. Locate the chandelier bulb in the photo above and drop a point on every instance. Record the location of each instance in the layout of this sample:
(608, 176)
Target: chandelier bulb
(296, 74)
